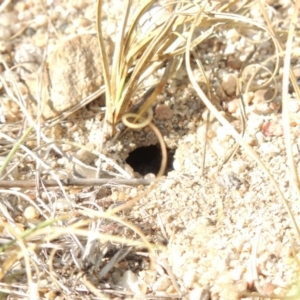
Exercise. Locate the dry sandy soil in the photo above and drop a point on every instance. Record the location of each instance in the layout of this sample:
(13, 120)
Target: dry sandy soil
(219, 230)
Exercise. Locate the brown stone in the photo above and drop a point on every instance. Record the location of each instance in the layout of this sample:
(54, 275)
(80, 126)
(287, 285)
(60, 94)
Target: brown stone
(73, 72)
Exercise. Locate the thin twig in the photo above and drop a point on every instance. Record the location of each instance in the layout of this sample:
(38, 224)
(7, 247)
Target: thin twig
(75, 182)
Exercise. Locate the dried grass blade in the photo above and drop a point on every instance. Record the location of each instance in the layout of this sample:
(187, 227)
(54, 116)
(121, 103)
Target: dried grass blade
(105, 69)
(149, 102)
(117, 79)
(131, 32)
(142, 65)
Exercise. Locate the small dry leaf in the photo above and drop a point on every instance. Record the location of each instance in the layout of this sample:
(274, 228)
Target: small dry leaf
(73, 72)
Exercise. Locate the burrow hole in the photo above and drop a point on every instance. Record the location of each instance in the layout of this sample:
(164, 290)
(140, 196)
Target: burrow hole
(147, 159)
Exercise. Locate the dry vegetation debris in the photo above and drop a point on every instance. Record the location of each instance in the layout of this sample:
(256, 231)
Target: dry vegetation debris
(222, 223)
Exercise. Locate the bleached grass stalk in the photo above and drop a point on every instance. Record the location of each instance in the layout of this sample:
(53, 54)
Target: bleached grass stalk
(105, 67)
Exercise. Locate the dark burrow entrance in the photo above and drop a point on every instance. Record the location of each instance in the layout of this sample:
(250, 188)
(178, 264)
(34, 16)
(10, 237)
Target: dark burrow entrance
(145, 160)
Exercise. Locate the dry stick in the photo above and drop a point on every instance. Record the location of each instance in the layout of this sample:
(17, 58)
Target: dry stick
(75, 182)
(231, 130)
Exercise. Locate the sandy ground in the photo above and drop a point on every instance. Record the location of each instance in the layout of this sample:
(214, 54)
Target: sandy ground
(222, 230)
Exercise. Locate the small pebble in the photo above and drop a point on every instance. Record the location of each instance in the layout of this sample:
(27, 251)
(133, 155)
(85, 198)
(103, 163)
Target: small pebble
(230, 49)
(241, 285)
(40, 40)
(129, 280)
(271, 128)
(238, 166)
(82, 23)
(229, 84)
(189, 278)
(31, 212)
(199, 293)
(207, 114)
(234, 63)
(51, 295)
(233, 105)
(268, 288)
(163, 112)
(5, 33)
(296, 71)
(162, 284)
(41, 20)
(150, 176)
(232, 35)
(294, 105)
(269, 149)
(9, 18)
(223, 135)
(236, 274)
(262, 96)
(262, 109)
